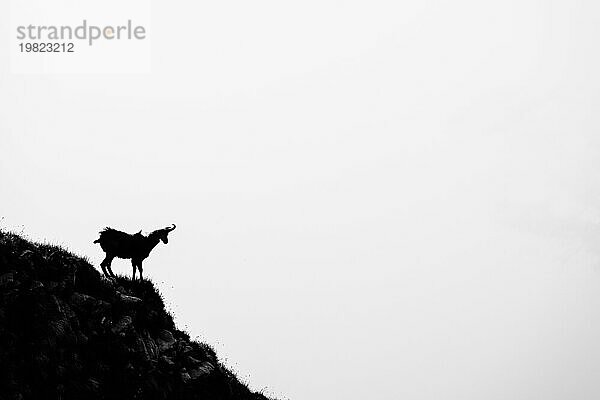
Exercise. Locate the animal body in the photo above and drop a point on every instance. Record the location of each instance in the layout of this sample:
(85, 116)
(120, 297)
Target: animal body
(136, 247)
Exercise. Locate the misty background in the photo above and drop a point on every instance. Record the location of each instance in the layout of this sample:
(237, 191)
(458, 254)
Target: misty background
(373, 199)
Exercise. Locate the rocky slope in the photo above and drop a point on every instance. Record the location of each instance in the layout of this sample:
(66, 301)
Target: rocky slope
(68, 333)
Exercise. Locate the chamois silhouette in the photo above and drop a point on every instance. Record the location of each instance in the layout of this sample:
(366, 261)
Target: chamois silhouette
(136, 247)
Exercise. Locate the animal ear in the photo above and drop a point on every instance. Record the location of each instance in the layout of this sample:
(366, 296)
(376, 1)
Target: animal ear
(140, 232)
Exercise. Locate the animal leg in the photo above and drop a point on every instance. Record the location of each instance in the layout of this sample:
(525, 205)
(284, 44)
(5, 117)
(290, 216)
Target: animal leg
(106, 263)
(141, 271)
(133, 264)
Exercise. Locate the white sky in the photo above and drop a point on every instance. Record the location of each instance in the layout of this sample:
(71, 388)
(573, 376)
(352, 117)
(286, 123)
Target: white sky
(374, 199)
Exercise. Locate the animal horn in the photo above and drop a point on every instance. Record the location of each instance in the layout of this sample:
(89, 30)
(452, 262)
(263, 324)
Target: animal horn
(171, 228)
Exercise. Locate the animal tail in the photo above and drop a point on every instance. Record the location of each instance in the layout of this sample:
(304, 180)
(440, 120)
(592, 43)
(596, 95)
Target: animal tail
(97, 240)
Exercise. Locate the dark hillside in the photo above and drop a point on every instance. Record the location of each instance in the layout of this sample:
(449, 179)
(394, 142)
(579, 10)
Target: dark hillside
(68, 333)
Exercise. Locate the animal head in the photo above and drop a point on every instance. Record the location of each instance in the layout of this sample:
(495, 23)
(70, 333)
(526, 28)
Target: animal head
(163, 233)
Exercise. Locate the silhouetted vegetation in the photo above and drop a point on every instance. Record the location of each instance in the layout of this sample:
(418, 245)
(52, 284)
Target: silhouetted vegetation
(68, 333)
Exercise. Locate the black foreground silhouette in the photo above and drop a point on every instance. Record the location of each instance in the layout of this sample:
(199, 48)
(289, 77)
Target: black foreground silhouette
(136, 247)
(67, 333)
